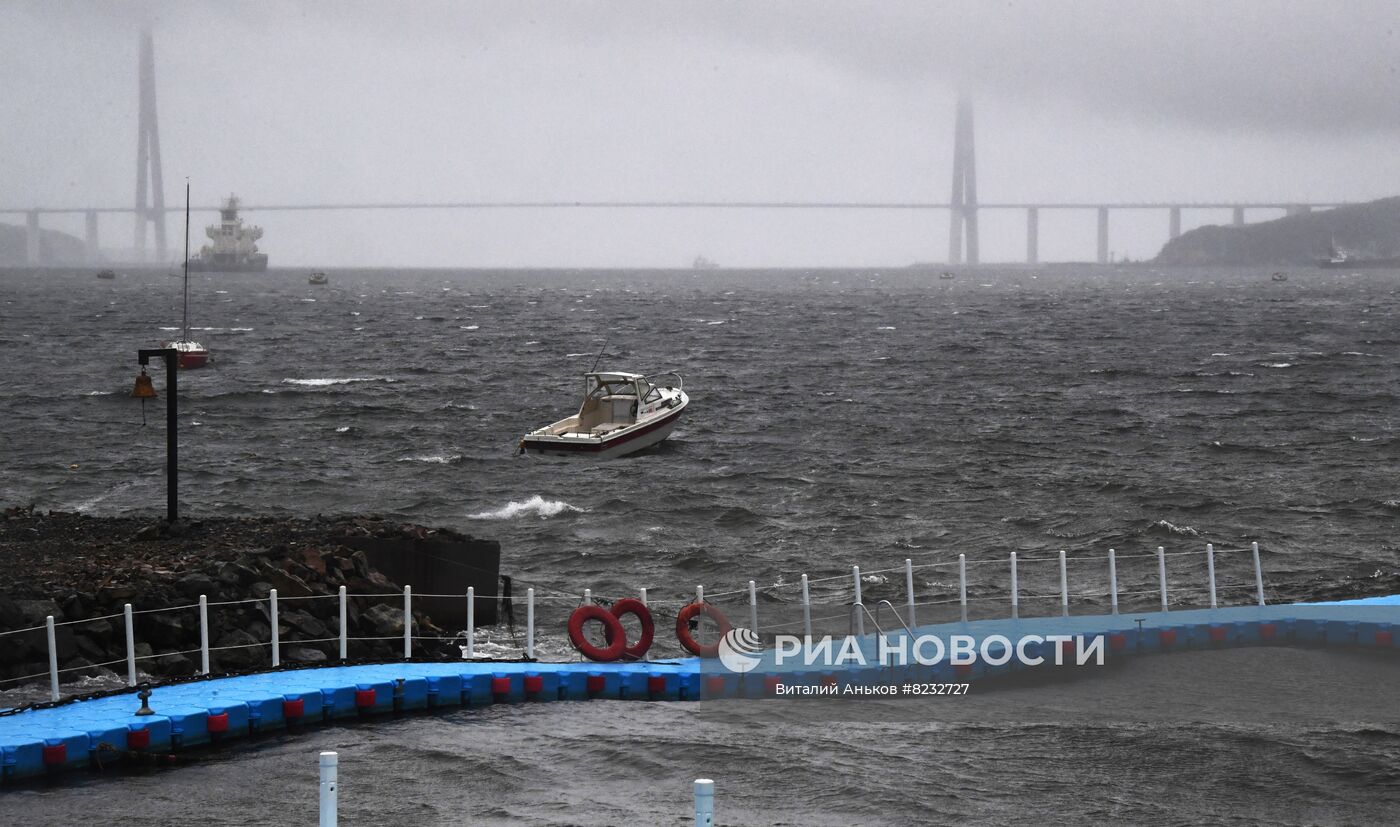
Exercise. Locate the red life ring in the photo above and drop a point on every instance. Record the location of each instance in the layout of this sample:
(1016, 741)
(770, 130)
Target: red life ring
(633, 606)
(688, 640)
(612, 629)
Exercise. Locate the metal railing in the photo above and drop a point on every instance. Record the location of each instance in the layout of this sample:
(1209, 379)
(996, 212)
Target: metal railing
(855, 611)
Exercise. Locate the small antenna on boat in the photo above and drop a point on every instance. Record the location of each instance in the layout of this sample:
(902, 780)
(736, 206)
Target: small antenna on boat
(600, 354)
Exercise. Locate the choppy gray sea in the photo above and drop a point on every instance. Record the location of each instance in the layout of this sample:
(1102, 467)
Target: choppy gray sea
(837, 418)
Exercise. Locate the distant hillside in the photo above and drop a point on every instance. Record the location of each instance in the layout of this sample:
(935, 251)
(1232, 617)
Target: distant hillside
(54, 247)
(1364, 230)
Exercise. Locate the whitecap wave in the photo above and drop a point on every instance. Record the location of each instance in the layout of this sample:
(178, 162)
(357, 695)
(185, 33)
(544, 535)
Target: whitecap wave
(471, 327)
(886, 327)
(319, 383)
(1172, 528)
(536, 506)
(437, 459)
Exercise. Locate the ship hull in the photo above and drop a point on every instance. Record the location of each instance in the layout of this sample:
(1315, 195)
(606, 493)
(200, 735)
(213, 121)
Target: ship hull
(1361, 264)
(251, 264)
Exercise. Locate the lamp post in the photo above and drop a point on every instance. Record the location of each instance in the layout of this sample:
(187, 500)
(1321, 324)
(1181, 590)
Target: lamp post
(144, 390)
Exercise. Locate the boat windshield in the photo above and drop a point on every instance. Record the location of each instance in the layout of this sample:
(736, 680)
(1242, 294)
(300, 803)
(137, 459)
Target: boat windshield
(598, 389)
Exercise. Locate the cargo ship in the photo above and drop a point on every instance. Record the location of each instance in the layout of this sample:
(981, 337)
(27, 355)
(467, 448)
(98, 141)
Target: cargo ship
(1339, 259)
(234, 248)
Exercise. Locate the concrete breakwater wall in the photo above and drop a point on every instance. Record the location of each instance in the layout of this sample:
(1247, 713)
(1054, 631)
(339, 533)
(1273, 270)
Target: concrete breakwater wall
(83, 571)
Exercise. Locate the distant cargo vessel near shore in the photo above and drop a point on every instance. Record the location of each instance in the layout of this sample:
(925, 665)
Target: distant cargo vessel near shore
(235, 248)
(1341, 259)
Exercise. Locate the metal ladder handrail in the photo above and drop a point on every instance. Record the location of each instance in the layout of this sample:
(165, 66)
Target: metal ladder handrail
(895, 612)
(851, 619)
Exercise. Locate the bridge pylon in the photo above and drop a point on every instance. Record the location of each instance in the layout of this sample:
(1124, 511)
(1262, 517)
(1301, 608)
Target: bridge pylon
(963, 205)
(148, 156)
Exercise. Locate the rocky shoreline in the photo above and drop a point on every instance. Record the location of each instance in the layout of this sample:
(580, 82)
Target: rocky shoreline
(75, 567)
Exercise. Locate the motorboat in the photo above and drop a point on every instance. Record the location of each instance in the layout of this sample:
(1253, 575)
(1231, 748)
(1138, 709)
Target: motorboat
(106, 274)
(946, 276)
(318, 278)
(1280, 276)
(621, 413)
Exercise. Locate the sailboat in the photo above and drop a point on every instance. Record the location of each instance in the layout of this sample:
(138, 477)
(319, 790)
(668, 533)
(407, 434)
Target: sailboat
(189, 353)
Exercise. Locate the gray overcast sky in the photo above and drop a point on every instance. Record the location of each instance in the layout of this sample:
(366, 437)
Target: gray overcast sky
(378, 101)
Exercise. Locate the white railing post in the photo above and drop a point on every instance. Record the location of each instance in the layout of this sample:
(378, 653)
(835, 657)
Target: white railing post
(860, 613)
(1210, 571)
(130, 645)
(753, 606)
(53, 659)
(344, 632)
(276, 631)
(530, 623)
(699, 594)
(1162, 575)
(1064, 586)
(704, 802)
(471, 622)
(806, 610)
(642, 593)
(1015, 598)
(587, 595)
(329, 781)
(408, 622)
(203, 635)
(962, 585)
(909, 585)
(1113, 580)
(1258, 575)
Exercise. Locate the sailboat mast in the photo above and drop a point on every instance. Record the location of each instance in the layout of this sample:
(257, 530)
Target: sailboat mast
(187, 259)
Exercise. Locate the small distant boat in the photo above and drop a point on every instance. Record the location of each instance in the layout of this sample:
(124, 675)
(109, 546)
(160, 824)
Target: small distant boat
(1279, 277)
(106, 274)
(946, 275)
(702, 263)
(188, 353)
(621, 413)
(318, 278)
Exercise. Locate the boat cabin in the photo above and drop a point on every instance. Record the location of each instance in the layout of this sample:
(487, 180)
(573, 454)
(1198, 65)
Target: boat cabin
(610, 401)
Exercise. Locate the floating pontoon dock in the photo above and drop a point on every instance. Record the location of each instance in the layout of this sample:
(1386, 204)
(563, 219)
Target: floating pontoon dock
(197, 713)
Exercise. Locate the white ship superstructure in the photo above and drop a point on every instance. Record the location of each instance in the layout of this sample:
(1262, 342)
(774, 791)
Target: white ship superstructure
(234, 248)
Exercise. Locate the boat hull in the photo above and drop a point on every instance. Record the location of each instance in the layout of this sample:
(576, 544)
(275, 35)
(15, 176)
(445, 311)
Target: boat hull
(186, 357)
(192, 359)
(619, 443)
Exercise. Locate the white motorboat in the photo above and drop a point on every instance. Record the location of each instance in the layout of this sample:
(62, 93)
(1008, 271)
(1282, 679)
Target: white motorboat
(621, 413)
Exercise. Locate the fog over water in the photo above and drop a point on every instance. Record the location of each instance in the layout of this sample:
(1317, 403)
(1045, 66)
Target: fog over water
(363, 102)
